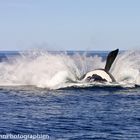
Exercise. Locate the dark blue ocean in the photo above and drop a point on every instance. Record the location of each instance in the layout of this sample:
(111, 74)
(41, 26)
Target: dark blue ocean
(83, 113)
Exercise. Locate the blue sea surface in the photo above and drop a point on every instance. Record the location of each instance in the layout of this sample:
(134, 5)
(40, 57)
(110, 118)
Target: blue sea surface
(107, 113)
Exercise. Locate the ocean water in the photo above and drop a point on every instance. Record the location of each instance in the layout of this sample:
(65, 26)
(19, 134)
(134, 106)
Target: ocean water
(40, 94)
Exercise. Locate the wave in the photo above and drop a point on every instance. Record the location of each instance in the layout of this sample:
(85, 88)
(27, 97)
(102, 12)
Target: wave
(60, 70)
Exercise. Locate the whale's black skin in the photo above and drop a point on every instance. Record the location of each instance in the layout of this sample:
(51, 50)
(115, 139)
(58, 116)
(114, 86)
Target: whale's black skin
(97, 78)
(102, 75)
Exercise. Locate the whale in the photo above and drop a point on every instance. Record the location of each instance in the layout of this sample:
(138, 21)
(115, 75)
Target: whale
(102, 75)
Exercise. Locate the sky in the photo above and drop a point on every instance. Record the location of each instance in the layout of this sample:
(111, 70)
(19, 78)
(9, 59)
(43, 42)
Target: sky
(69, 24)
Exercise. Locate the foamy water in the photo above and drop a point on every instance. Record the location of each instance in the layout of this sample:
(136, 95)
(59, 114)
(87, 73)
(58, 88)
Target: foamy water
(126, 68)
(54, 71)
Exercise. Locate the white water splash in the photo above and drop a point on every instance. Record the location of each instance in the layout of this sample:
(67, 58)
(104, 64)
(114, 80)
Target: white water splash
(126, 68)
(53, 71)
(43, 69)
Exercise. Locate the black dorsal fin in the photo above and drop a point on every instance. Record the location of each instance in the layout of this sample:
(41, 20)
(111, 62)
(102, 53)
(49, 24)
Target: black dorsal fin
(110, 59)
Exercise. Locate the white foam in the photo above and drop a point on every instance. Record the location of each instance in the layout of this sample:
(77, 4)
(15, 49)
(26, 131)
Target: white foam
(126, 68)
(53, 71)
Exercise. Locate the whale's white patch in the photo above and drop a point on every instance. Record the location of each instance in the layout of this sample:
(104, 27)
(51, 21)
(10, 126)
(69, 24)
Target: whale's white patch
(101, 73)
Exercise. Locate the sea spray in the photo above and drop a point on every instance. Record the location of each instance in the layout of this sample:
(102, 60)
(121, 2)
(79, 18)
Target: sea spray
(47, 70)
(58, 70)
(126, 68)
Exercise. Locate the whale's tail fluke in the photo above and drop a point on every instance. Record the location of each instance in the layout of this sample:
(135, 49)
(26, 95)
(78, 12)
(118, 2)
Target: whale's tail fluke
(110, 59)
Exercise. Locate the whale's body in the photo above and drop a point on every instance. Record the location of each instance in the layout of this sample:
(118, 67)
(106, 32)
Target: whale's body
(99, 75)
(102, 75)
